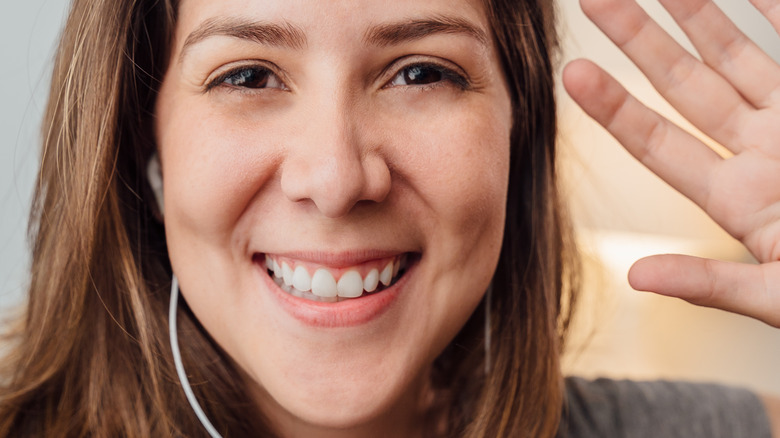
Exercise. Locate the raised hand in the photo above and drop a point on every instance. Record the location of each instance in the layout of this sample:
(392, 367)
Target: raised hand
(733, 96)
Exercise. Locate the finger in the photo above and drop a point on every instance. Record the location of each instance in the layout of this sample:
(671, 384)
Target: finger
(702, 96)
(771, 10)
(672, 153)
(727, 50)
(750, 290)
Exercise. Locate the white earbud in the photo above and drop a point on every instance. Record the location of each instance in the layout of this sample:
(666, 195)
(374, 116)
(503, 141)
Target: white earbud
(154, 174)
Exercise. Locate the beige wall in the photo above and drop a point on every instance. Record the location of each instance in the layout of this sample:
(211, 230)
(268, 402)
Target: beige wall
(624, 212)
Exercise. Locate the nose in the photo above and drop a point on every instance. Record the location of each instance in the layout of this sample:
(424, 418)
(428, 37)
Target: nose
(333, 163)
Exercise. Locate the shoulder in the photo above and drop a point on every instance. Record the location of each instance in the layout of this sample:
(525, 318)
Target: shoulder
(623, 408)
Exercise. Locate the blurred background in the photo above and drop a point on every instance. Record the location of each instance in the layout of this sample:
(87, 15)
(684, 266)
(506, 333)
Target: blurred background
(621, 210)
(28, 30)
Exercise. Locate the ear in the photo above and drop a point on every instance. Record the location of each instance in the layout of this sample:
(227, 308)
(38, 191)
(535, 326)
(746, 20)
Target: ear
(154, 175)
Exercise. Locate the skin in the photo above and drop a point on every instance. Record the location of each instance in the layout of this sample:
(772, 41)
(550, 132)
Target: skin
(733, 96)
(340, 160)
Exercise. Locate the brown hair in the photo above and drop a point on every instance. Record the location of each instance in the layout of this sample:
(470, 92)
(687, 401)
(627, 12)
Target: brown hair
(91, 356)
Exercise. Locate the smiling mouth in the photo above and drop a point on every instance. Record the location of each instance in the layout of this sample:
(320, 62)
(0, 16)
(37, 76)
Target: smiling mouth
(326, 284)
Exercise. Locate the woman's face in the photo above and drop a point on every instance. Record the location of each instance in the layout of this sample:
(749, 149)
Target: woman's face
(348, 148)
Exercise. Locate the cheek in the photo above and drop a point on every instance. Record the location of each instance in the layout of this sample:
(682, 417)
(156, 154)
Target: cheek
(454, 169)
(211, 172)
(457, 162)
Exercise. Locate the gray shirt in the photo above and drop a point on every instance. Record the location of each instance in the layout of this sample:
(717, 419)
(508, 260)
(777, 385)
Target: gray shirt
(621, 408)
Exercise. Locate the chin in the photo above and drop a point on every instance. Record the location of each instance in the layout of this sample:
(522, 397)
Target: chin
(352, 394)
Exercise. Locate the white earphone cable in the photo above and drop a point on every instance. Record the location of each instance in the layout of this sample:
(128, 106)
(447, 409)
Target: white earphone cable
(185, 384)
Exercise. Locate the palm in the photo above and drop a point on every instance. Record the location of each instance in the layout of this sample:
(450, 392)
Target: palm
(733, 96)
(744, 197)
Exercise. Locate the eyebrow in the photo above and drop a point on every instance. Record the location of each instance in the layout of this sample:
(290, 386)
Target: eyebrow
(288, 35)
(410, 30)
(284, 35)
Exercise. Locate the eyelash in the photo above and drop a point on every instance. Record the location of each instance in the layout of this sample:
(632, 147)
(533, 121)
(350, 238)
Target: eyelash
(221, 80)
(447, 75)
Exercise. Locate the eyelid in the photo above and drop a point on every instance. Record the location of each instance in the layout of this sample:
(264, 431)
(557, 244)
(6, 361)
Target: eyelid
(452, 71)
(218, 77)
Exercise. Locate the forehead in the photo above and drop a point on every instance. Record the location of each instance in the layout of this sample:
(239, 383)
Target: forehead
(321, 21)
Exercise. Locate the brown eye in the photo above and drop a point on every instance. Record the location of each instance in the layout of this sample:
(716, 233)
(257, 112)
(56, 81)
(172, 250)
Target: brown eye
(421, 75)
(253, 78)
(427, 74)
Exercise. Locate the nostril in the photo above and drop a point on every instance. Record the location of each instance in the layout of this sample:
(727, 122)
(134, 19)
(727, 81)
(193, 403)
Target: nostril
(378, 179)
(335, 184)
(293, 181)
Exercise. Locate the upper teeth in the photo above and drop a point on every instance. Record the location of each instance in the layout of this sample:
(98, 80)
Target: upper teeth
(323, 282)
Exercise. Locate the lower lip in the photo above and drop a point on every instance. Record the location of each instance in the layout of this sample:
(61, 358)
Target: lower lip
(347, 313)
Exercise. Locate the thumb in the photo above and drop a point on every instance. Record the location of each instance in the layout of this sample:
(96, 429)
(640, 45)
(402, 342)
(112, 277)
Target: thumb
(751, 290)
